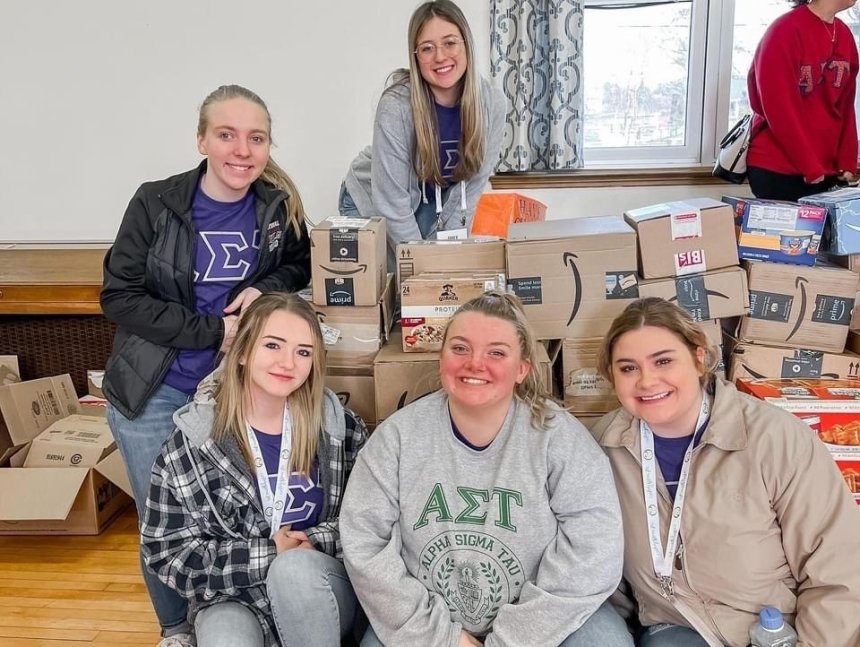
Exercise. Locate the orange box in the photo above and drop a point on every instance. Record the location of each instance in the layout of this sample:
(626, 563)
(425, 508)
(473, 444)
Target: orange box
(495, 211)
(831, 408)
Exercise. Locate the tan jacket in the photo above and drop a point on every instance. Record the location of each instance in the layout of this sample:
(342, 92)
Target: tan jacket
(767, 521)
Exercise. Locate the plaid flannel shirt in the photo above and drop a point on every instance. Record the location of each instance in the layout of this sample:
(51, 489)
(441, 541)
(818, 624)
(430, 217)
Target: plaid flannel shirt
(204, 533)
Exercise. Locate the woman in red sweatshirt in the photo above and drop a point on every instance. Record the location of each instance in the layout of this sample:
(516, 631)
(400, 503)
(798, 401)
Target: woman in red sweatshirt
(801, 90)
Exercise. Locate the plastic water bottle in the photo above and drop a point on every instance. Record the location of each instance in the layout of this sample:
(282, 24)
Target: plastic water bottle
(771, 630)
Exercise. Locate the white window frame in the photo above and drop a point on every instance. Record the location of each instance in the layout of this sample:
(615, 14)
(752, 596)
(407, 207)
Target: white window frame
(708, 90)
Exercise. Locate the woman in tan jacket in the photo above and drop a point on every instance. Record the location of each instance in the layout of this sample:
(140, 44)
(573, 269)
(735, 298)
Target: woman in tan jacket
(729, 504)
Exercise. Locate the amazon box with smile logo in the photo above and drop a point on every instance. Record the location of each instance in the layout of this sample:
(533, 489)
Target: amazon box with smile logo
(348, 261)
(574, 276)
(756, 362)
(711, 295)
(798, 306)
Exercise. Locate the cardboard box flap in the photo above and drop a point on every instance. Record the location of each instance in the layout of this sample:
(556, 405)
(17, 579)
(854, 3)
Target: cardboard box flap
(568, 227)
(32, 493)
(113, 469)
(667, 208)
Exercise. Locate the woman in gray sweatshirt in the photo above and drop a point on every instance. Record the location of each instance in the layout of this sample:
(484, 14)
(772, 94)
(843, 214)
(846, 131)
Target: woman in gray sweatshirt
(436, 136)
(484, 512)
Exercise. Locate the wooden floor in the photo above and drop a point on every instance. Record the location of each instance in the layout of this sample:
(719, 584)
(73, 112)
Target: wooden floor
(75, 591)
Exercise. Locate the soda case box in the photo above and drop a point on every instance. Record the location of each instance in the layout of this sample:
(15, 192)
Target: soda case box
(831, 409)
(842, 232)
(496, 211)
(467, 255)
(759, 361)
(348, 261)
(780, 232)
(428, 300)
(797, 306)
(573, 276)
(684, 237)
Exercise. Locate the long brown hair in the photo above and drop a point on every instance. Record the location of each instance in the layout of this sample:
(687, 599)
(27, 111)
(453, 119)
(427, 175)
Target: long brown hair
(657, 312)
(232, 399)
(471, 145)
(508, 307)
(273, 174)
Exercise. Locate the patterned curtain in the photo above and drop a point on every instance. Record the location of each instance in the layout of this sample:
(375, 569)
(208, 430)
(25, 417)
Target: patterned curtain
(536, 60)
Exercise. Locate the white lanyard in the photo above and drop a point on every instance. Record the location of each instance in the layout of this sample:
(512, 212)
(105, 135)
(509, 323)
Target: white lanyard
(662, 561)
(273, 504)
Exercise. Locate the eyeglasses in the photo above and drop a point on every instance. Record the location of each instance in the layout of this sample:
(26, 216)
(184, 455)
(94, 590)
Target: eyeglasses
(449, 47)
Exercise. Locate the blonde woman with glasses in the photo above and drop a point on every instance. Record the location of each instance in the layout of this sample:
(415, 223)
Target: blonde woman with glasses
(436, 136)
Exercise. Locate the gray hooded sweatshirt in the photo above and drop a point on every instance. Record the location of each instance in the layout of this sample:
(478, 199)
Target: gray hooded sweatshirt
(521, 541)
(382, 180)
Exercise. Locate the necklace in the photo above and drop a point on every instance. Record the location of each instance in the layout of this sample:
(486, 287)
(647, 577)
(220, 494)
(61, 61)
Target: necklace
(831, 33)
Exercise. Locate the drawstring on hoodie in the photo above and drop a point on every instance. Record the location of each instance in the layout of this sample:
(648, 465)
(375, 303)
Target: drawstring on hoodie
(439, 204)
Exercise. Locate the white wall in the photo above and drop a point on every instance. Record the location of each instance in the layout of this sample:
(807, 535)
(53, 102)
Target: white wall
(99, 96)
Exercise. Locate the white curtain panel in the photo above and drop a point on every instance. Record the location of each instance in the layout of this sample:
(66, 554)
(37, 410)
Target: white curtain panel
(536, 60)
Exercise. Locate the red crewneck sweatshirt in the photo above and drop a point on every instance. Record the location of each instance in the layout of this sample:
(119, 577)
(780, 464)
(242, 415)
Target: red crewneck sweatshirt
(801, 88)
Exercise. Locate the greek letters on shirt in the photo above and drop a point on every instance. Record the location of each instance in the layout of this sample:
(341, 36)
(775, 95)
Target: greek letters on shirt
(476, 572)
(833, 72)
(230, 256)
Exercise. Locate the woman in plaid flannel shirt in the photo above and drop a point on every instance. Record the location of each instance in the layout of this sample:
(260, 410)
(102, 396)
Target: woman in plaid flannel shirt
(258, 556)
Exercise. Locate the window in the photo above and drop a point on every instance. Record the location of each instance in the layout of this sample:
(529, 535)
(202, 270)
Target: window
(664, 79)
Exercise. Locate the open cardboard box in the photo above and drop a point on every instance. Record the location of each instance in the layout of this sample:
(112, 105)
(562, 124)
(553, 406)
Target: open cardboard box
(54, 500)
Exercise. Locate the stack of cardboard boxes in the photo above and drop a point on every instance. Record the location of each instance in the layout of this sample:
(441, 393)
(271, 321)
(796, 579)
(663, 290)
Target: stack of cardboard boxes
(792, 344)
(353, 297)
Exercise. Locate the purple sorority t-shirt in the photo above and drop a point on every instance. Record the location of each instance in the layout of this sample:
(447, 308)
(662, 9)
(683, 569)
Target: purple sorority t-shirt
(226, 249)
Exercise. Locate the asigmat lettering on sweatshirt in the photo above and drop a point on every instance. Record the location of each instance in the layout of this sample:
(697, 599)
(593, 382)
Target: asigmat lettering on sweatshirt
(474, 506)
(474, 571)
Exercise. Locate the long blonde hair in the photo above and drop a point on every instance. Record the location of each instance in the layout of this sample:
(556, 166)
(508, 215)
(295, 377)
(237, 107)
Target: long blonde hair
(659, 313)
(471, 145)
(273, 174)
(508, 307)
(232, 392)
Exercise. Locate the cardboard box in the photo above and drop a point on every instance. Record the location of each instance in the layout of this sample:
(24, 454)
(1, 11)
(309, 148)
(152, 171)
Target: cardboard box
(585, 390)
(94, 383)
(401, 378)
(685, 237)
(28, 408)
(428, 300)
(355, 334)
(842, 232)
(9, 371)
(574, 276)
(496, 211)
(755, 361)
(62, 500)
(356, 392)
(74, 441)
(469, 255)
(348, 261)
(780, 232)
(831, 408)
(801, 307)
(712, 295)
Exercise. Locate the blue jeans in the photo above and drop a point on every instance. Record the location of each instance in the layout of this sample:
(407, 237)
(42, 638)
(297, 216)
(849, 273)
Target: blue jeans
(139, 442)
(605, 628)
(313, 605)
(665, 635)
